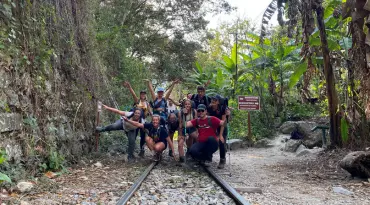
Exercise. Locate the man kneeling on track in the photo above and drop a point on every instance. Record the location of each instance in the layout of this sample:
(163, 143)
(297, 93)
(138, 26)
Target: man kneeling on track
(207, 139)
(157, 138)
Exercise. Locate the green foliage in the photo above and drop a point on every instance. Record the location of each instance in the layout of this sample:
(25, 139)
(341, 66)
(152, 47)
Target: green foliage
(3, 177)
(344, 129)
(56, 161)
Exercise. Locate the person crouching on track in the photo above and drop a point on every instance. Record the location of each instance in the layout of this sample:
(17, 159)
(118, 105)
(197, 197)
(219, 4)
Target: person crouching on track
(207, 140)
(157, 138)
(172, 126)
(187, 114)
(130, 130)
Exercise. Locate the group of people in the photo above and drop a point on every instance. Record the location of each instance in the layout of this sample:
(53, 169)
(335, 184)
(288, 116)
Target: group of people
(201, 123)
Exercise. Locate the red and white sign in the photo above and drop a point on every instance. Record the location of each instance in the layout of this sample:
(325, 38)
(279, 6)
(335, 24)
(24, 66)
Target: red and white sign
(249, 103)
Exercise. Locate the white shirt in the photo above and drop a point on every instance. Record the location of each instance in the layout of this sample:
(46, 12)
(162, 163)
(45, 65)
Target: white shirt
(128, 126)
(171, 109)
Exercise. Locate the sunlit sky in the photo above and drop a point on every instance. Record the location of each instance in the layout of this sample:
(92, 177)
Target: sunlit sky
(246, 9)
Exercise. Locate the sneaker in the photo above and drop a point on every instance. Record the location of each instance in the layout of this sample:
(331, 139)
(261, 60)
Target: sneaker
(141, 153)
(100, 129)
(131, 160)
(221, 165)
(157, 157)
(182, 159)
(170, 153)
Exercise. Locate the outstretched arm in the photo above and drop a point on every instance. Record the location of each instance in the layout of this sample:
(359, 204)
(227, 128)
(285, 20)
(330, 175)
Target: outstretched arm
(207, 83)
(114, 110)
(150, 86)
(134, 123)
(127, 85)
(174, 102)
(168, 93)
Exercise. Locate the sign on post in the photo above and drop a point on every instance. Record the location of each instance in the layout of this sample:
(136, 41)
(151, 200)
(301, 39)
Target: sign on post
(249, 103)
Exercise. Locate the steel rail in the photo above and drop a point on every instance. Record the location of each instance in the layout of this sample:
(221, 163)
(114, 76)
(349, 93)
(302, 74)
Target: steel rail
(231, 191)
(126, 197)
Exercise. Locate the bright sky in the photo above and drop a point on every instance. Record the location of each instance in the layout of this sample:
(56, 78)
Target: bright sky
(246, 9)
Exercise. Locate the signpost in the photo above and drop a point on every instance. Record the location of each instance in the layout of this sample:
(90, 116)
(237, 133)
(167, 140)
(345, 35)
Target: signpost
(97, 124)
(249, 103)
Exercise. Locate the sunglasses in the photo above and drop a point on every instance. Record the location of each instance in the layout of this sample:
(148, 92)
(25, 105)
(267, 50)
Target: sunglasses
(200, 110)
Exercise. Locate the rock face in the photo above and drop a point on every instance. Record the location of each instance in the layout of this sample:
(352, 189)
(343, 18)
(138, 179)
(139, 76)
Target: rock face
(357, 164)
(10, 122)
(263, 143)
(310, 139)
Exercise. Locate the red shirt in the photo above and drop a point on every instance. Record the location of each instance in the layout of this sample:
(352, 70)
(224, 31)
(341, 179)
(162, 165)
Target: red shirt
(204, 128)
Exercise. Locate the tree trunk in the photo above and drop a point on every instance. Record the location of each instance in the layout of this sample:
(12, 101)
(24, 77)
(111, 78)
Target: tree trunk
(335, 136)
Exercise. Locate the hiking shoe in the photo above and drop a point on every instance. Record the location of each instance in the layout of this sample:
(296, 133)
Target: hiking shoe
(131, 160)
(157, 157)
(222, 163)
(182, 159)
(100, 129)
(170, 153)
(141, 153)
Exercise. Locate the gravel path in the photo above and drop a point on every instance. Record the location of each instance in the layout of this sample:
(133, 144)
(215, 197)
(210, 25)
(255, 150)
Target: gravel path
(287, 179)
(282, 177)
(168, 184)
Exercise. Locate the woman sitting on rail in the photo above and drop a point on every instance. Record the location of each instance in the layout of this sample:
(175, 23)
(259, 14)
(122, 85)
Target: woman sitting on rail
(158, 136)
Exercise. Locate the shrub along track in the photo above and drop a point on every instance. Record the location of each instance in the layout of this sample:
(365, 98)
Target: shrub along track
(165, 183)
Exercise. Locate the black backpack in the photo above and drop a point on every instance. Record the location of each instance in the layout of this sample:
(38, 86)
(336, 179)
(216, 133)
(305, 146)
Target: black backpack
(196, 98)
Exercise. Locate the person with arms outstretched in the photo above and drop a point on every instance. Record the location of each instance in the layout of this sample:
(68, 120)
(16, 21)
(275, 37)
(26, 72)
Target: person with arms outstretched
(129, 129)
(144, 105)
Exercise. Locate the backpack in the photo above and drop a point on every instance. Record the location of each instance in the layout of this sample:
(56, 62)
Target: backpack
(183, 116)
(157, 105)
(196, 98)
(209, 122)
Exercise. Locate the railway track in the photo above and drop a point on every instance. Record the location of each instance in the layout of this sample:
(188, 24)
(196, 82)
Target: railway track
(164, 183)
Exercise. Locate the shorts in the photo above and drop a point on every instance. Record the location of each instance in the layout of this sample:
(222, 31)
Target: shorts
(189, 130)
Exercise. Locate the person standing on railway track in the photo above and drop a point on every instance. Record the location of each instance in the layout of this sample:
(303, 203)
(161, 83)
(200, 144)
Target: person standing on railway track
(160, 100)
(186, 135)
(129, 129)
(157, 138)
(144, 105)
(218, 109)
(207, 143)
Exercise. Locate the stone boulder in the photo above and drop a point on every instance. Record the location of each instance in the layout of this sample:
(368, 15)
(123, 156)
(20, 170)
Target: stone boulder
(357, 164)
(234, 144)
(310, 139)
(314, 139)
(292, 145)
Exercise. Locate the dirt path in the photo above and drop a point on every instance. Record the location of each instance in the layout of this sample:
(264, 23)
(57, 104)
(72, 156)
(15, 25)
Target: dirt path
(282, 177)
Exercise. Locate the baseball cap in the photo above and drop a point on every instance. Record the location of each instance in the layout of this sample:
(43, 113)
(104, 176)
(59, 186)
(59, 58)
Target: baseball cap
(201, 107)
(143, 91)
(160, 90)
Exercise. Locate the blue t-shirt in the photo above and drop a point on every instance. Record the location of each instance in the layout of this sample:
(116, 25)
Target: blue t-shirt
(157, 134)
(160, 104)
